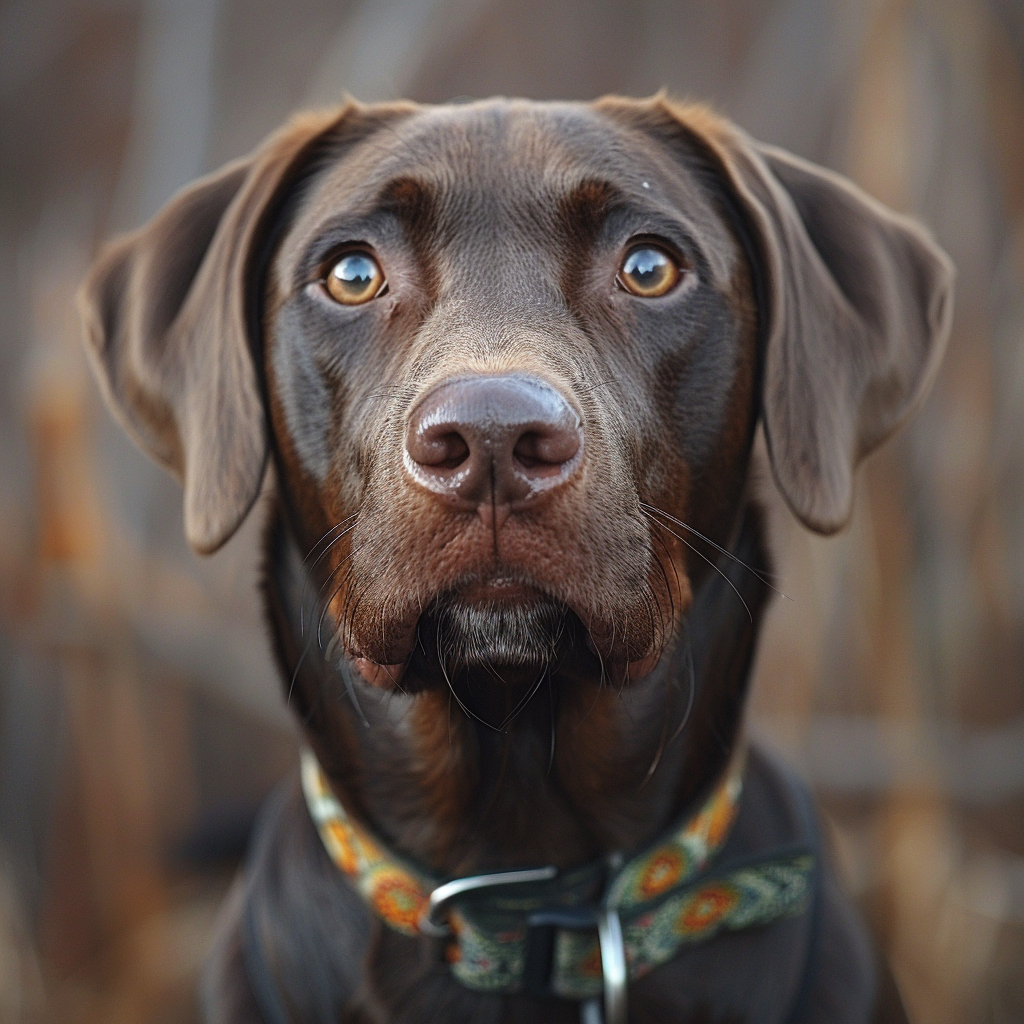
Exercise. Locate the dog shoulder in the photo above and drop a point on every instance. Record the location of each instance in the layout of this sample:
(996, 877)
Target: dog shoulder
(290, 915)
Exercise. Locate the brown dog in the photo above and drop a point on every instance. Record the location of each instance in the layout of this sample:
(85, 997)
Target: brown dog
(507, 360)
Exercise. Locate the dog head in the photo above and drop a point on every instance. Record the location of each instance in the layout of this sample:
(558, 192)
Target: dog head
(509, 358)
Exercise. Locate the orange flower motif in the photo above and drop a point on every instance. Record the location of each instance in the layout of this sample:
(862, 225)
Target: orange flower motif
(398, 900)
(664, 869)
(706, 908)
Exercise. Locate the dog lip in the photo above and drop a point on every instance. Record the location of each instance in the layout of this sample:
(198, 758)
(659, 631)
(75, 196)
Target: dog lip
(387, 668)
(382, 676)
(499, 589)
(641, 667)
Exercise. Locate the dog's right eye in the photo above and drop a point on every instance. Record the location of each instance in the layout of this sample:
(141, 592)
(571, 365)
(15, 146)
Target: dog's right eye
(354, 279)
(648, 272)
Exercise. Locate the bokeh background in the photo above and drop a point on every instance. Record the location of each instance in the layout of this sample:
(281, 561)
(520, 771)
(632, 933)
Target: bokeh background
(140, 720)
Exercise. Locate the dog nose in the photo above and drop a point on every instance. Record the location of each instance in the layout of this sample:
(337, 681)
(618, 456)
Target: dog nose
(493, 441)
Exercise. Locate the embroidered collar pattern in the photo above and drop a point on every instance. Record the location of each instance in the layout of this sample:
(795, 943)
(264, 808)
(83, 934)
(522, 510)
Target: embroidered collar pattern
(664, 896)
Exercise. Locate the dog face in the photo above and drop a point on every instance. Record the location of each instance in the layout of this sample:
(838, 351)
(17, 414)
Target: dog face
(503, 400)
(501, 352)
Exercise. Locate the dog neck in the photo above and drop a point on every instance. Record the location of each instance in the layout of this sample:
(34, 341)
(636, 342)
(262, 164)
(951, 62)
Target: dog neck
(585, 767)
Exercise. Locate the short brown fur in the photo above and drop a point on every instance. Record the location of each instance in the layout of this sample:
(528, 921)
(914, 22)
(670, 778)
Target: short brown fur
(803, 306)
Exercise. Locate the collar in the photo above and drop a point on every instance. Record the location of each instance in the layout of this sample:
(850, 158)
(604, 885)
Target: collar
(582, 932)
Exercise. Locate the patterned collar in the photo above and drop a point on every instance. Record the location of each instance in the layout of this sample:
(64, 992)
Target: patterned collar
(581, 932)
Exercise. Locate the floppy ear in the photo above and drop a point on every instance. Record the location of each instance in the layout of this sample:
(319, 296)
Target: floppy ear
(170, 317)
(859, 304)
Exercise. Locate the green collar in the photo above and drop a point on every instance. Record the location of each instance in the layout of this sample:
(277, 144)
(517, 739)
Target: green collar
(581, 932)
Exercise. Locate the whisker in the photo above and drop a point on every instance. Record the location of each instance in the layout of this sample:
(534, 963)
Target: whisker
(675, 574)
(327, 581)
(347, 619)
(515, 712)
(668, 586)
(551, 716)
(383, 623)
(319, 558)
(649, 607)
(351, 688)
(458, 700)
(327, 604)
(346, 616)
(683, 540)
(327, 533)
(760, 574)
(603, 678)
(693, 689)
(656, 760)
(309, 641)
(594, 387)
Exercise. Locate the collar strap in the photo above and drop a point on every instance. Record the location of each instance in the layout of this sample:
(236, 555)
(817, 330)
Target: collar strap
(573, 933)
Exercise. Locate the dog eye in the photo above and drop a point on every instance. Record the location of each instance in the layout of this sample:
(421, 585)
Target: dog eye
(354, 279)
(648, 272)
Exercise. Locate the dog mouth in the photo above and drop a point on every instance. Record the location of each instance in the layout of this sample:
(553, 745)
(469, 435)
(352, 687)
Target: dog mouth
(499, 622)
(461, 632)
(502, 625)
(493, 646)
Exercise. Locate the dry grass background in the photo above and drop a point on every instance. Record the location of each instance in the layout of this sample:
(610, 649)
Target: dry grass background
(140, 723)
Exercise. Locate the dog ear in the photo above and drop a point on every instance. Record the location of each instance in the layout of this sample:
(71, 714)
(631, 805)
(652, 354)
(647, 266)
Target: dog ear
(170, 317)
(859, 304)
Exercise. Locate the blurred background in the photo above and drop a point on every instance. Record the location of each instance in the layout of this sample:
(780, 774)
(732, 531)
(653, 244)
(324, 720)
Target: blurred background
(140, 719)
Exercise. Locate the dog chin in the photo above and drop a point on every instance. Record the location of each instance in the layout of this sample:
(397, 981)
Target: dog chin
(500, 635)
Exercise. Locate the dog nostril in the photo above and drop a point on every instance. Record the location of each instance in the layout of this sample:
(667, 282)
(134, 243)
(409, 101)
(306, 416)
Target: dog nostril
(544, 453)
(440, 450)
(457, 451)
(498, 441)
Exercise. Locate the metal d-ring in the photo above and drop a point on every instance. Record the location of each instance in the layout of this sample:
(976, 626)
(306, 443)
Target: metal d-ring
(609, 933)
(613, 965)
(432, 921)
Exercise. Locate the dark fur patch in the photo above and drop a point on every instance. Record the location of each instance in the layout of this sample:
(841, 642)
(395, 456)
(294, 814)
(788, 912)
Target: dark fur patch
(498, 635)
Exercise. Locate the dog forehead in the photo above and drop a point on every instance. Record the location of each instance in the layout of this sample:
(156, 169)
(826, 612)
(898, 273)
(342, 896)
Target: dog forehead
(520, 158)
(489, 145)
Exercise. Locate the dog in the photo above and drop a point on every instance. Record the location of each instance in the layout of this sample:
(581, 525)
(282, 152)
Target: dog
(509, 364)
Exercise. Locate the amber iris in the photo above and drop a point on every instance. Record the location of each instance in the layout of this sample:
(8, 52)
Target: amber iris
(648, 272)
(354, 279)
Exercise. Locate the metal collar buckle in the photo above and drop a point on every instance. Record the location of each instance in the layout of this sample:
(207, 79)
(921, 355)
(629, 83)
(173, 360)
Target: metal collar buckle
(433, 922)
(540, 937)
(540, 949)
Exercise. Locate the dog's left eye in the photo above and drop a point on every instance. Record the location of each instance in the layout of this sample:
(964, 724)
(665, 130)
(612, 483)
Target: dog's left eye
(648, 272)
(354, 279)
